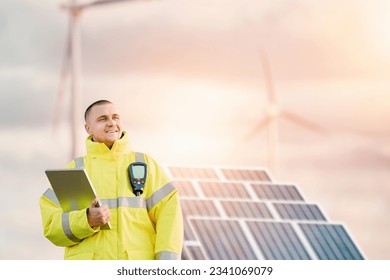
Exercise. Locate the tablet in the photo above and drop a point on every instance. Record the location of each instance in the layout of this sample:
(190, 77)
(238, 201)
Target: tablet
(73, 189)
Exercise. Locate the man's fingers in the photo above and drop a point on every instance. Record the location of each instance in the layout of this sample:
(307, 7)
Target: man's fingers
(104, 214)
(93, 203)
(98, 214)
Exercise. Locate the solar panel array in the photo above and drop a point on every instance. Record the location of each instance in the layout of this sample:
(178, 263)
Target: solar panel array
(241, 214)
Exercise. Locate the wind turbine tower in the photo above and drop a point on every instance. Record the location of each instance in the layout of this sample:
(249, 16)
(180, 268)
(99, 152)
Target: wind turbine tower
(273, 113)
(71, 68)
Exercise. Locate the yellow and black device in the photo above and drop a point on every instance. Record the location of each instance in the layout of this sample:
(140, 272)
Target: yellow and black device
(137, 175)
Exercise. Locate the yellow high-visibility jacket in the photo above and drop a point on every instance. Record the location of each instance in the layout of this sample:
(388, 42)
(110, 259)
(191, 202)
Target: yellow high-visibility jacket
(149, 226)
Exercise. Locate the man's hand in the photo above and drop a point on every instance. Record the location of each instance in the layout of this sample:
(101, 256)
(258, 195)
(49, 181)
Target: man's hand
(98, 216)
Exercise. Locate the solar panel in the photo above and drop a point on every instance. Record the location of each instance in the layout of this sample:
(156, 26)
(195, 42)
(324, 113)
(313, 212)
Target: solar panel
(245, 174)
(223, 239)
(278, 241)
(277, 192)
(331, 242)
(224, 189)
(193, 173)
(241, 214)
(246, 209)
(299, 211)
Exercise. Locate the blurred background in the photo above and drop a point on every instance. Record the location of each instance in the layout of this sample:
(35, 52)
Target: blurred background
(194, 81)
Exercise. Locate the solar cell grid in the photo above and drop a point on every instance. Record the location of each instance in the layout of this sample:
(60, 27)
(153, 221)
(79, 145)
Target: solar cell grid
(245, 175)
(331, 242)
(193, 173)
(224, 190)
(278, 241)
(299, 211)
(277, 192)
(223, 240)
(186, 189)
(246, 209)
(193, 207)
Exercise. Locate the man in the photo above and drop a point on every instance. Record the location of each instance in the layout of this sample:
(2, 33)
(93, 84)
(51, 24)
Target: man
(148, 226)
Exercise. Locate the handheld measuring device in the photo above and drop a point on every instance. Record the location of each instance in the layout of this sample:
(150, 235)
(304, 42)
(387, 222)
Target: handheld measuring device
(137, 175)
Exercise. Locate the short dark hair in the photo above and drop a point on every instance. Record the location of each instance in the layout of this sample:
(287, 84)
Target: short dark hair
(99, 102)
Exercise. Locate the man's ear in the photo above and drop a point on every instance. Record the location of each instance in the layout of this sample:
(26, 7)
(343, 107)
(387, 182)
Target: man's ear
(87, 129)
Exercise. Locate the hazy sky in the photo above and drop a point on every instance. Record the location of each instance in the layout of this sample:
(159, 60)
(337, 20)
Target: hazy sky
(188, 78)
(216, 40)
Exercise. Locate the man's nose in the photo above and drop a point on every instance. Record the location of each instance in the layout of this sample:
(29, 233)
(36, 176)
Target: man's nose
(111, 122)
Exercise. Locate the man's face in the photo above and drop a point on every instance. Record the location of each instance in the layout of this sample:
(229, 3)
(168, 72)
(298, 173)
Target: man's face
(103, 124)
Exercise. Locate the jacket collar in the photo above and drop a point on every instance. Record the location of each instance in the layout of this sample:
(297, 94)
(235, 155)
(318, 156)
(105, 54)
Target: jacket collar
(120, 146)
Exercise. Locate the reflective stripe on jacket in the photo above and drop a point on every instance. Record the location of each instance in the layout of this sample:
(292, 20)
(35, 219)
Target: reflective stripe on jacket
(146, 227)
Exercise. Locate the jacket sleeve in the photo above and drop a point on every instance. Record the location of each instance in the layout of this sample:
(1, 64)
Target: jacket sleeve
(165, 212)
(63, 228)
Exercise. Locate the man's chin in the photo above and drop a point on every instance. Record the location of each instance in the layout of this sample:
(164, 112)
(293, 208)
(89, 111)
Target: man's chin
(110, 141)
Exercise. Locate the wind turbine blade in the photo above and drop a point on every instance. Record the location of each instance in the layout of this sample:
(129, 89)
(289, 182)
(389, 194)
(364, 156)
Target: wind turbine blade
(269, 85)
(302, 122)
(95, 3)
(259, 127)
(63, 79)
(102, 2)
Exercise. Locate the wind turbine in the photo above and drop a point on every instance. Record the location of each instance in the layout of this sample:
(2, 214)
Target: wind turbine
(272, 115)
(71, 67)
